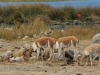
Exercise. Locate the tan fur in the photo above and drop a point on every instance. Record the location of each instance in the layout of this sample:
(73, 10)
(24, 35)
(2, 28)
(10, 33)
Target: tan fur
(48, 32)
(27, 54)
(88, 51)
(82, 58)
(67, 41)
(43, 41)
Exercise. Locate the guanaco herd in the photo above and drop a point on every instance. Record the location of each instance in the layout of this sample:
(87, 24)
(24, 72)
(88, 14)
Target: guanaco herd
(64, 42)
(60, 44)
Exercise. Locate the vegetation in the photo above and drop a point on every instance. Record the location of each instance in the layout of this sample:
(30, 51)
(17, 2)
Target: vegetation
(37, 19)
(38, 26)
(24, 30)
(26, 13)
(81, 33)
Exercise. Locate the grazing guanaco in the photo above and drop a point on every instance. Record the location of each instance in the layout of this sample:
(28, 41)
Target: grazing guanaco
(44, 42)
(88, 52)
(65, 42)
(28, 53)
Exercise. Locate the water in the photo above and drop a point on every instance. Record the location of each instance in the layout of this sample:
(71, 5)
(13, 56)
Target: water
(58, 27)
(6, 25)
(93, 3)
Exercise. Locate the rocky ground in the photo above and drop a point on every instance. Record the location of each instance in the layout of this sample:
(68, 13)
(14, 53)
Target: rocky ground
(43, 67)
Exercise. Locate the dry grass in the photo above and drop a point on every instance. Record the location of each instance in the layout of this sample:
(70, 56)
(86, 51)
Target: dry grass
(19, 31)
(81, 33)
(39, 26)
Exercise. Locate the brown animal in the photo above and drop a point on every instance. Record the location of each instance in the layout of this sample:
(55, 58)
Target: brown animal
(44, 42)
(65, 42)
(88, 52)
(28, 53)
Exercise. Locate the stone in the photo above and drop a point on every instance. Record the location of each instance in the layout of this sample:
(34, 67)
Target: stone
(96, 39)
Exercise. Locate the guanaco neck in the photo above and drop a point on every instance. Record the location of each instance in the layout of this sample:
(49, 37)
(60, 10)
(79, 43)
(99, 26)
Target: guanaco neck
(30, 50)
(82, 58)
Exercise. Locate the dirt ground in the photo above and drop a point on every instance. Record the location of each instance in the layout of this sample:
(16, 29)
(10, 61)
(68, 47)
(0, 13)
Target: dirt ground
(42, 67)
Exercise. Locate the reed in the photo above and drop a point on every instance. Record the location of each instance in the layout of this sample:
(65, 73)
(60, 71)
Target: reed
(27, 13)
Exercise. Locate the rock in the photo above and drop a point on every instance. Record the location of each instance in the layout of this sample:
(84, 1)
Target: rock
(65, 55)
(16, 47)
(25, 37)
(56, 23)
(69, 54)
(0, 46)
(35, 36)
(66, 23)
(96, 39)
(45, 71)
(26, 47)
(79, 74)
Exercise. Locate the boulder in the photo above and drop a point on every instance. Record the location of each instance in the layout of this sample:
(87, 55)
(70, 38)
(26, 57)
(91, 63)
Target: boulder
(26, 47)
(96, 39)
(68, 55)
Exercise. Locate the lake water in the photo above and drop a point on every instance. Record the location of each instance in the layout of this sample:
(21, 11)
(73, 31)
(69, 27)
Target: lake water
(93, 3)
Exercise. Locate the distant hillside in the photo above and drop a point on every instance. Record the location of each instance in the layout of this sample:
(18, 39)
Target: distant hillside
(38, 0)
